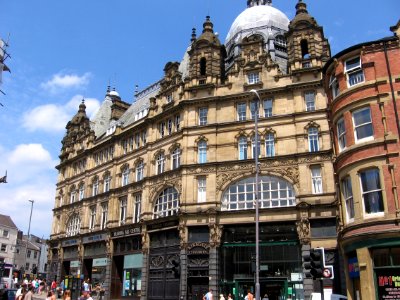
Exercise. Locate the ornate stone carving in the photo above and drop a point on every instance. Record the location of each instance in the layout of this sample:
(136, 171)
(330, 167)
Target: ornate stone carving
(156, 261)
(303, 230)
(182, 234)
(198, 262)
(215, 234)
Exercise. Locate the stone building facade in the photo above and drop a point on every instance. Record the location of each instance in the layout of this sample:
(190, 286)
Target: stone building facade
(363, 87)
(156, 199)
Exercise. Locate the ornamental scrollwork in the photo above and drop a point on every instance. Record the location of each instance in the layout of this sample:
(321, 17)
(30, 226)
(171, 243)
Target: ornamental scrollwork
(303, 230)
(157, 261)
(215, 234)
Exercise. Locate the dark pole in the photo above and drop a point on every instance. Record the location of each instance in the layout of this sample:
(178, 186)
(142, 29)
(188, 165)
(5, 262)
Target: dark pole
(29, 230)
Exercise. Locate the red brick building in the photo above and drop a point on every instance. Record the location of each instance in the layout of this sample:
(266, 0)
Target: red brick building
(363, 88)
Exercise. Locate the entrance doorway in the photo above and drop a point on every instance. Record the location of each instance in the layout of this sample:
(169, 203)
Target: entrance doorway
(275, 289)
(197, 287)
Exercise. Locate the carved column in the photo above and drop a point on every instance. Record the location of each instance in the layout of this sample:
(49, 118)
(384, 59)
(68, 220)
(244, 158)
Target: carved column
(183, 259)
(145, 263)
(303, 230)
(109, 254)
(215, 242)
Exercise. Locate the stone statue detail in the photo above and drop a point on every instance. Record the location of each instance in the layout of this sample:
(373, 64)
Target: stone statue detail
(303, 230)
(215, 234)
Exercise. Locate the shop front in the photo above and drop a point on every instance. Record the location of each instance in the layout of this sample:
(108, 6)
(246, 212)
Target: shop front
(127, 262)
(280, 261)
(94, 258)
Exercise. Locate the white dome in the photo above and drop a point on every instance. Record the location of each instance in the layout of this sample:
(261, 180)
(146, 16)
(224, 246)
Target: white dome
(114, 93)
(256, 17)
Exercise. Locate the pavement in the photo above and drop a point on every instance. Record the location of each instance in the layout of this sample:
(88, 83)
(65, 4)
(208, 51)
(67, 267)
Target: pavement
(42, 296)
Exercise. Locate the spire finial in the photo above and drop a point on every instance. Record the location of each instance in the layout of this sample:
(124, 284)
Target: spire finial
(208, 25)
(251, 3)
(193, 35)
(301, 7)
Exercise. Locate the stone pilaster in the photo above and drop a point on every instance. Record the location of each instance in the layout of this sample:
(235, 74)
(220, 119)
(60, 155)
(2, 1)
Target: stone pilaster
(183, 278)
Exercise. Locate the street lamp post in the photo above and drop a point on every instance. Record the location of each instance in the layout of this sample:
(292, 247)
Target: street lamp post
(256, 154)
(29, 230)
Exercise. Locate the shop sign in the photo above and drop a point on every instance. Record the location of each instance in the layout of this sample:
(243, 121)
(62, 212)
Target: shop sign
(354, 271)
(162, 225)
(74, 264)
(70, 243)
(198, 248)
(388, 283)
(100, 262)
(125, 232)
(93, 238)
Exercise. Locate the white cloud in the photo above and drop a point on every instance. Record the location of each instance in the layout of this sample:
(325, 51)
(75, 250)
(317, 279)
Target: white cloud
(60, 82)
(53, 117)
(31, 174)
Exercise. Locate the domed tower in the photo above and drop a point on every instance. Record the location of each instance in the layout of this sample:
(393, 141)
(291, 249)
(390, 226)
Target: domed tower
(263, 20)
(206, 57)
(307, 46)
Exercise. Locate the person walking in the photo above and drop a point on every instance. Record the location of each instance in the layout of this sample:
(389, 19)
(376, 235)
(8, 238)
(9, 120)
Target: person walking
(209, 295)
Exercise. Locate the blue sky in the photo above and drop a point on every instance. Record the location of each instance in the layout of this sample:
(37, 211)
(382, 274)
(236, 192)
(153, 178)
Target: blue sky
(62, 51)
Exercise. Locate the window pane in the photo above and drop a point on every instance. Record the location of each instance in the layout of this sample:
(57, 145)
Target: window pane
(370, 180)
(353, 63)
(362, 116)
(364, 131)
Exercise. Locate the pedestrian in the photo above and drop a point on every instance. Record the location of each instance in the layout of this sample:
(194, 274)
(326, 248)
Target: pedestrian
(67, 295)
(29, 294)
(88, 296)
(249, 295)
(221, 297)
(265, 297)
(230, 296)
(209, 295)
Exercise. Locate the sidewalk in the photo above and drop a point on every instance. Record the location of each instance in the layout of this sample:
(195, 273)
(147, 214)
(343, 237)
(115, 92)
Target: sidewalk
(43, 296)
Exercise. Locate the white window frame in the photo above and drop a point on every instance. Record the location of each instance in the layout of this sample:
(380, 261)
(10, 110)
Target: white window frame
(138, 208)
(354, 73)
(241, 111)
(267, 106)
(167, 203)
(107, 183)
(202, 152)
(73, 196)
(3, 248)
(160, 164)
(242, 147)
(95, 187)
(310, 100)
(177, 122)
(203, 113)
(334, 86)
(81, 192)
(123, 203)
(313, 139)
(253, 77)
(341, 134)
(139, 171)
(170, 98)
(365, 193)
(254, 108)
(356, 126)
(92, 220)
(269, 145)
(201, 189)
(104, 215)
(253, 147)
(5, 234)
(316, 179)
(125, 176)
(74, 225)
(347, 192)
(162, 129)
(176, 159)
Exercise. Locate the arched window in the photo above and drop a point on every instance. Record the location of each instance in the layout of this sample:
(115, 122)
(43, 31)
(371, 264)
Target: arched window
(242, 147)
(167, 203)
(203, 64)
(176, 158)
(202, 151)
(74, 225)
(273, 192)
(304, 49)
(269, 144)
(313, 144)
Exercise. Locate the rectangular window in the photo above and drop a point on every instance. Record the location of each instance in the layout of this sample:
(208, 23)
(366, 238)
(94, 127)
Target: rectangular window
(355, 73)
(3, 248)
(348, 198)
(253, 109)
(313, 144)
(144, 138)
(177, 122)
(162, 129)
(81, 192)
(316, 179)
(28, 254)
(341, 134)
(104, 215)
(160, 164)
(122, 210)
(309, 98)
(139, 171)
(169, 98)
(137, 140)
(107, 184)
(254, 148)
(92, 221)
(169, 124)
(95, 190)
(35, 254)
(371, 191)
(267, 108)
(242, 147)
(125, 177)
(201, 188)
(334, 85)
(202, 151)
(138, 208)
(270, 145)
(5, 233)
(125, 146)
(253, 78)
(203, 112)
(363, 130)
(241, 110)
(73, 196)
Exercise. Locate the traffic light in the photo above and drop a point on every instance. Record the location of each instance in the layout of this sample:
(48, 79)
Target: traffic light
(317, 262)
(176, 268)
(307, 265)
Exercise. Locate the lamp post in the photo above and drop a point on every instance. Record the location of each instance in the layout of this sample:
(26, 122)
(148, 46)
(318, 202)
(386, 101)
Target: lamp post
(256, 154)
(29, 230)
